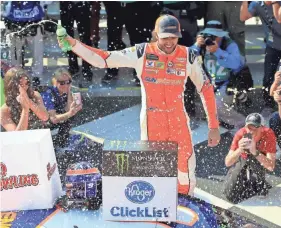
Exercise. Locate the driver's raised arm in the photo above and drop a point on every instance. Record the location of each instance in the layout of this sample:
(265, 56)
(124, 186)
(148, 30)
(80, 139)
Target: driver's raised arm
(107, 59)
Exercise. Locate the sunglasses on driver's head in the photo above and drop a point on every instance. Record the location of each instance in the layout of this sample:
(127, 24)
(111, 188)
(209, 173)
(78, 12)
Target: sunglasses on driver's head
(65, 82)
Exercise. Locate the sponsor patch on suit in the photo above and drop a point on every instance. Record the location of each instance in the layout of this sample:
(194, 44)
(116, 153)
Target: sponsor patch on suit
(181, 59)
(160, 65)
(171, 71)
(152, 56)
(151, 71)
(180, 73)
(180, 65)
(149, 63)
(170, 64)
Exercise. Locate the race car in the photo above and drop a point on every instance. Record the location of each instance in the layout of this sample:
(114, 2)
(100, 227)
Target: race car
(83, 188)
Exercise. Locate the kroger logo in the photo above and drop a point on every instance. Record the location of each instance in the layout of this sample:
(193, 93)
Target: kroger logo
(139, 192)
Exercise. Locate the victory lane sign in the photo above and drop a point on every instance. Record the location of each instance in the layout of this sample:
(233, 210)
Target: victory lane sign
(140, 159)
(140, 180)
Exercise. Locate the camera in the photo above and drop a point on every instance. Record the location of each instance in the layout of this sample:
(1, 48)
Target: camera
(248, 136)
(209, 39)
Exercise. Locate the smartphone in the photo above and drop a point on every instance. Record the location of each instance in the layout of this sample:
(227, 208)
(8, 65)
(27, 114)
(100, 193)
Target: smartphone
(77, 98)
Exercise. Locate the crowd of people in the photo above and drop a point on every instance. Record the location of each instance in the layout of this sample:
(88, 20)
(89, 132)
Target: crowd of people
(168, 46)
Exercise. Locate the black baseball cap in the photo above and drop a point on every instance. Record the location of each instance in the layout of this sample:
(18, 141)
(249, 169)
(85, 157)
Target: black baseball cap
(255, 119)
(167, 26)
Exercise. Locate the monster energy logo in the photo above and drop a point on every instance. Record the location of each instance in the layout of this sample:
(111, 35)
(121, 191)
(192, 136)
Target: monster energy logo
(122, 162)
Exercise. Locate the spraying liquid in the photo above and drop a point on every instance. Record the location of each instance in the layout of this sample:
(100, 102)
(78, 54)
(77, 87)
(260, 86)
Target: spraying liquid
(61, 35)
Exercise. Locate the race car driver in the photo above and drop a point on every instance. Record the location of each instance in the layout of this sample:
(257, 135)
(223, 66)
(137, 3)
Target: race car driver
(163, 68)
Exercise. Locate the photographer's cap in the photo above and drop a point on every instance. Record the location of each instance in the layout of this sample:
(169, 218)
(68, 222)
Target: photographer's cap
(214, 28)
(255, 119)
(167, 26)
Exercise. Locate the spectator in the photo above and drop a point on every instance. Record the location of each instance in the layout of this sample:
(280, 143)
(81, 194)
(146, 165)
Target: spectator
(23, 108)
(252, 152)
(222, 60)
(276, 5)
(275, 120)
(19, 14)
(227, 12)
(81, 12)
(60, 105)
(273, 45)
(187, 13)
(138, 17)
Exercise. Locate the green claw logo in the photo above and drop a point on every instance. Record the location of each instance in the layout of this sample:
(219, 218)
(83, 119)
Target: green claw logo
(122, 162)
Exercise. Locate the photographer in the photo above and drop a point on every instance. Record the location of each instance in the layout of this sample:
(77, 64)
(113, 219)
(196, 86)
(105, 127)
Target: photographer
(222, 60)
(252, 152)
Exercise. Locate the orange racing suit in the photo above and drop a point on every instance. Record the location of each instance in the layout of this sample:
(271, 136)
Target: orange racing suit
(163, 76)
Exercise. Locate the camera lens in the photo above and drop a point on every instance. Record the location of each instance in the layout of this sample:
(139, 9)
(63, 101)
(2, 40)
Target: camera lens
(209, 41)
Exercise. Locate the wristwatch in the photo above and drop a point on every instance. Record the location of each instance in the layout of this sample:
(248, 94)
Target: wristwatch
(257, 154)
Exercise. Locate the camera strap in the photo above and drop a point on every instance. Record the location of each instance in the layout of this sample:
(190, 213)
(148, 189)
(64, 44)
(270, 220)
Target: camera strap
(269, 19)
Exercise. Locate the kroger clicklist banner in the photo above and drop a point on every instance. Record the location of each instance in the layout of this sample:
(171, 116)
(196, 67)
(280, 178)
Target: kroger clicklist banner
(139, 181)
(136, 199)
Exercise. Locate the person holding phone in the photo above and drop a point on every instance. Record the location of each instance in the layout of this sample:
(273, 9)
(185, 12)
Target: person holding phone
(253, 150)
(60, 105)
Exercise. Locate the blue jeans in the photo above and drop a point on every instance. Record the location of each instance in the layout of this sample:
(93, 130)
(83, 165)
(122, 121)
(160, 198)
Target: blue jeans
(275, 125)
